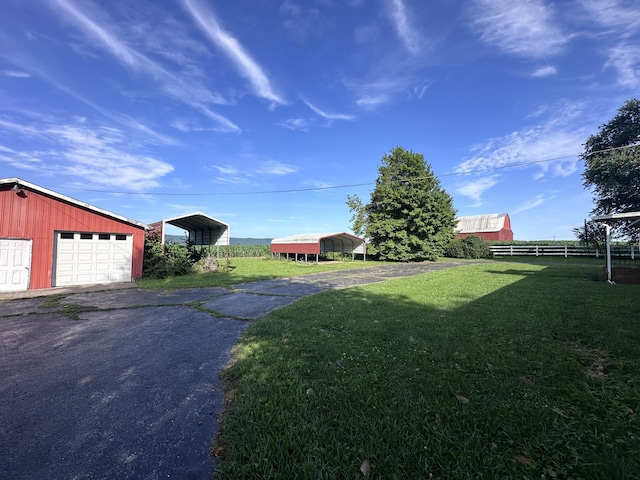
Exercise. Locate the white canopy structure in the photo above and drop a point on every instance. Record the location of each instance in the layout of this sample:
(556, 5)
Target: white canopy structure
(606, 220)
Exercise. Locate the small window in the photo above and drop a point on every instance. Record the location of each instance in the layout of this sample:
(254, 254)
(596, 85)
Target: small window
(104, 236)
(86, 236)
(66, 235)
(121, 237)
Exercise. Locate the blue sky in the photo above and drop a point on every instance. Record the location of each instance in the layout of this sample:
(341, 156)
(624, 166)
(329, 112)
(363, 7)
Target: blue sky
(266, 114)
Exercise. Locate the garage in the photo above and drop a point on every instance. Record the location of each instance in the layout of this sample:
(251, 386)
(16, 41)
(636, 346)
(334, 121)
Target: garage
(15, 264)
(85, 258)
(51, 240)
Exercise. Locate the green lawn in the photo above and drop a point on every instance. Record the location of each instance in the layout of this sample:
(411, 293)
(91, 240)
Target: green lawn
(492, 371)
(242, 270)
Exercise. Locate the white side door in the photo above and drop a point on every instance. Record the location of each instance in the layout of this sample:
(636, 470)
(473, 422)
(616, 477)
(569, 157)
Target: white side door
(15, 264)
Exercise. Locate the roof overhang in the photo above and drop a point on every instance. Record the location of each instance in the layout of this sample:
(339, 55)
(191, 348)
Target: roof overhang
(202, 229)
(20, 184)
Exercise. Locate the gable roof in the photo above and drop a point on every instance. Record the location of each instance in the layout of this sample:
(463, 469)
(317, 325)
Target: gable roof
(493, 222)
(23, 184)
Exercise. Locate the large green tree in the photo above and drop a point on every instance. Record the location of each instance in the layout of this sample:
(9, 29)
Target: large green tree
(612, 165)
(409, 217)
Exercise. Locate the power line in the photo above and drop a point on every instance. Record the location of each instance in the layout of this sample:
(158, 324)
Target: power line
(335, 187)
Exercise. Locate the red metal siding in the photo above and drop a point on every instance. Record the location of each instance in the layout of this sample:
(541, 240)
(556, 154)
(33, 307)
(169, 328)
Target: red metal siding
(35, 216)
(309, 248)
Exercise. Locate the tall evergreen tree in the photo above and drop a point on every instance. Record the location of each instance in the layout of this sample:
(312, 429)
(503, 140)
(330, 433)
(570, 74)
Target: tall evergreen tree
(410, 217)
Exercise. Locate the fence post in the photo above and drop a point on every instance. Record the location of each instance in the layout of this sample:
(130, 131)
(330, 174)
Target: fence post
(565, 251)
(511, 250)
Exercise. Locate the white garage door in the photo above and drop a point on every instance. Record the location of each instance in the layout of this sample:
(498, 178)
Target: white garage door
(15, 264)
(85, 258)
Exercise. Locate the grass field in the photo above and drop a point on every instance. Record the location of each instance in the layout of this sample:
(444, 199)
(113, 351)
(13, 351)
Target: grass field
(242, 270)
(496, 371)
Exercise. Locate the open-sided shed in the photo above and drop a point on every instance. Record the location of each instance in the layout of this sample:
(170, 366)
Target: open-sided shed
(202, 230)
(318, 244)
(493, 226)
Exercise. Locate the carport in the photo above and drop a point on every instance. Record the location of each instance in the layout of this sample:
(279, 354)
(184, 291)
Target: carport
(317, 244)
(202, 230)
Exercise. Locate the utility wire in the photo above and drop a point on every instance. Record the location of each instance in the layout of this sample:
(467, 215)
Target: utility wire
(334, 187)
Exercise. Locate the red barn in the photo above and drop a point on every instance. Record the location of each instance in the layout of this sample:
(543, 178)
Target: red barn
(495, 226)
(319, 243)
(50, 240)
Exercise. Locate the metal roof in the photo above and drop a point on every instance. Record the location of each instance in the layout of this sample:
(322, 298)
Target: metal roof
(203, 229)
(334, 242)
(196, 221)
(32, 186)
(493, 222)
(617, 216)
(315, 237)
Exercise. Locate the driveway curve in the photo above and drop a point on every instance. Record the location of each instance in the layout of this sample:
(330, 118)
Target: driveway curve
(123, 383)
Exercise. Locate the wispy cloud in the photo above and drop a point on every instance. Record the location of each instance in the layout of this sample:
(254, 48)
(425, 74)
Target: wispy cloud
(15, 74)
(326, 115)
(188, 92)
(523, 28)
(274, 167)
(409, 37)
(257, 171)
(475, 188)
(247, 67)
(99, 155)
(559, 137)
(625, 59)
(532, 203)
(297, 123)
(546, 71)
(621, 17)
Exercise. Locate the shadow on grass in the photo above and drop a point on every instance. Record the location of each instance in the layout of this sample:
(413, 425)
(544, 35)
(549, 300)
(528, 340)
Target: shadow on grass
(448, 374)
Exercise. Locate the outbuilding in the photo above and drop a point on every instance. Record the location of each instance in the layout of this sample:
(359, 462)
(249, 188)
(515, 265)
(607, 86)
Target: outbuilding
(50, 240)
(494, 226)
(317, 244)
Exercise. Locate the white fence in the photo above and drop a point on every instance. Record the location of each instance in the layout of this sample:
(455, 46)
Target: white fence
(630, 252)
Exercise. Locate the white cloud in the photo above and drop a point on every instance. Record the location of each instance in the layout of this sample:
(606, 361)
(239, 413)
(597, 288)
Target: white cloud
(274, 167)
(625, 59)
(233, 49)
(545, 71)
(329, 116)
(523, 28)
(184, 90)
(621, 17)
(298, 123)
(559, 137)
(475, 188)
(99, 155)
(15, 74)
(532, 203)
(409, 37)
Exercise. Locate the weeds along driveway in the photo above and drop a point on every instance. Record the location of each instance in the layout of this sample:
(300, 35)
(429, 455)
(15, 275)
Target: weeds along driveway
(124, 383)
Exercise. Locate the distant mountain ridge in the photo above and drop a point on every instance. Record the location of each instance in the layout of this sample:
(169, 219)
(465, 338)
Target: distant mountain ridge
(234, 241)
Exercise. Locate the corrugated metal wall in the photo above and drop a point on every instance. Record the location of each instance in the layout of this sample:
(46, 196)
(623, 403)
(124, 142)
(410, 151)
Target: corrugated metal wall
(35, 216)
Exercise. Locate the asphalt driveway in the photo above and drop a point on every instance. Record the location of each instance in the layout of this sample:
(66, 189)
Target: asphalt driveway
(123, 383)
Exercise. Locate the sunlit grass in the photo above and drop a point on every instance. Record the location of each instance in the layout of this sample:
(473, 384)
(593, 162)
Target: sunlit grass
(489, 371)
(243, 270)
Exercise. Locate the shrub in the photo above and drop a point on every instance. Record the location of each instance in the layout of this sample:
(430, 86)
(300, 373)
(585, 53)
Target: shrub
(468, 247)
(169, 260)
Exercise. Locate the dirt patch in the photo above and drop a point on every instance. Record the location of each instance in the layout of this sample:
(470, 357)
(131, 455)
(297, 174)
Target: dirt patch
(596, 356)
